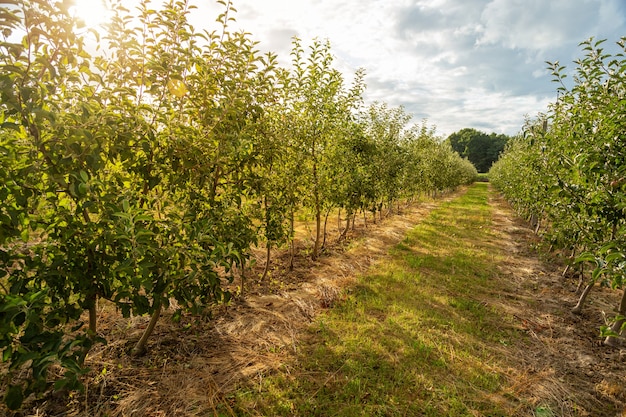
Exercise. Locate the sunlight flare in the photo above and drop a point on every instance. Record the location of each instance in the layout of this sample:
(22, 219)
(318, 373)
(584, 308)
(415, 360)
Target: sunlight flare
(93, 13)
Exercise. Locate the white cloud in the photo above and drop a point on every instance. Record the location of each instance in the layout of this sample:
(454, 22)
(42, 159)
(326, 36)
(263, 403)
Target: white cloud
(537, 24)
(459, 63)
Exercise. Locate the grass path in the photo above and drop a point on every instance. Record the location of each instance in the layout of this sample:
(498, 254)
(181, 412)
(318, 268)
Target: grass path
(416, 336)
(440, 311)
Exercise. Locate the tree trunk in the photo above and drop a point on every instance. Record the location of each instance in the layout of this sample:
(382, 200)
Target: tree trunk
(581, 278)
(571, 259)
(93, 316)
(339, 222)
(318, 232)
(316, 198)
(533, 221)
(617, 326)
(140, 347)
(325, 225)
(93, 326)
(267, 261)
(292, 249)
(345, 230)
(243, 279)
(581, 301)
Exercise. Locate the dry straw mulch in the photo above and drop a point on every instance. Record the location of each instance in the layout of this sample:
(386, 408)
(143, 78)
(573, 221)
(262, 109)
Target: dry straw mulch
(193, 366)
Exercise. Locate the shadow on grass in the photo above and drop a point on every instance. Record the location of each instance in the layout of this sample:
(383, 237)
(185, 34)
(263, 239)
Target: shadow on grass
(414, 337)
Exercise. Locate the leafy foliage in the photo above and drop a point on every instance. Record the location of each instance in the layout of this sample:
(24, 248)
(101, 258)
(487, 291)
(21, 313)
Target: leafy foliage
(146, 173)
(480, 148)
(569, 166)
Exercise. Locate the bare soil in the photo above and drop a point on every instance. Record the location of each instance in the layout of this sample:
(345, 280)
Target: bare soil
(563, 365)
(191, 367)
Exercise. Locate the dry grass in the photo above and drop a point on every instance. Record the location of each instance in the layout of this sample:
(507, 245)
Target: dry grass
(195, 367)
(562, 365)
(192, 366)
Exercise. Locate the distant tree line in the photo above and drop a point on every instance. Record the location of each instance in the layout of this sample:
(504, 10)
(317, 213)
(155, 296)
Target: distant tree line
(480, 148)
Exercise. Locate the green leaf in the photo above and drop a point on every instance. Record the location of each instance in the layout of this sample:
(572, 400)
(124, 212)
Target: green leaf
(585, 257)
(596, 273)
(615, 256)
(60, 384)
(6, 354)
(10, 126)
(543, 411)
(177, 88)
(14, 397)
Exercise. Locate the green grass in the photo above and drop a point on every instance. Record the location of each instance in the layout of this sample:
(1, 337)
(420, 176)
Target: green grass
(415, 336)
(483, 177)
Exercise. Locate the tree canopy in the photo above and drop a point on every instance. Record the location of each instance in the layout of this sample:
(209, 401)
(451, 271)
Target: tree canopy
(567, 173)
(144, 176)
(480, 148)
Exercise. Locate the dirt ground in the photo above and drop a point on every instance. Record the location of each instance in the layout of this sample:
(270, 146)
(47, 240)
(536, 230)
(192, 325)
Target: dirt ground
(564, 363)
(192, 366)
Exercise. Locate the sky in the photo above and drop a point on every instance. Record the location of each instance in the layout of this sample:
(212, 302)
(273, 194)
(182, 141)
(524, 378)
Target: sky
(455, 63)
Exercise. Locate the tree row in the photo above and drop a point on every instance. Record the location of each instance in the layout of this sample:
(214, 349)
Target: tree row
(567, 173)
(146, 172)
